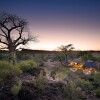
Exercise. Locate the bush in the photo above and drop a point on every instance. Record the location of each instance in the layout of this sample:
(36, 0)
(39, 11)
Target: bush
(85, 85)
(89, 56)
(4, 56)
(96, 78)
(72, 91)
(21, 56)
(97, 92)
(16, 88)
(7, 69)
(40, 81)
(26, 65)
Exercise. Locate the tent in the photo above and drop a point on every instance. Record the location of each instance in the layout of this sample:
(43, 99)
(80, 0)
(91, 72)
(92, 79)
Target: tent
(78, 60)
(90, 64)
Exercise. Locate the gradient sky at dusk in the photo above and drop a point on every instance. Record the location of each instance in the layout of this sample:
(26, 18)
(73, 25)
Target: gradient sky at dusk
(59, 22)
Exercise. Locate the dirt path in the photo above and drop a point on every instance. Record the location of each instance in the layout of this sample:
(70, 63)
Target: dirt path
(51, 64)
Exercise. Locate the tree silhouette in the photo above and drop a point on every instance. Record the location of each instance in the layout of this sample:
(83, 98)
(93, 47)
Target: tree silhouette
(13, 32)
(65, 49)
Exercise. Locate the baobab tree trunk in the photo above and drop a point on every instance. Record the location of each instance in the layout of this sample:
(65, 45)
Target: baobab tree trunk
(12, 56)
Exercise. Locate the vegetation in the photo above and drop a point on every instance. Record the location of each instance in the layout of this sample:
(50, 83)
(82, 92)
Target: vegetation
(4, 57)
(7, 69)
(16, 88)
(26, 65)
(22, 57)
(97, 92)
(27, 79)
(89, 56)
(65, 50)
(40, 81)
(96, 78)
(72, 91)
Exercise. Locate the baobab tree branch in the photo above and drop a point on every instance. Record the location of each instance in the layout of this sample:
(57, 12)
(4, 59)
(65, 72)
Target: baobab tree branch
(3, 32)
(2, 35)
(15, 27)
(5, 27)
(24, 41)
(20, 35)
(18, 43)
(3, 42)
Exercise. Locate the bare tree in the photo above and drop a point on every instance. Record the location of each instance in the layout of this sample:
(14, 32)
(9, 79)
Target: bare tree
(13, 32)
(65, 49)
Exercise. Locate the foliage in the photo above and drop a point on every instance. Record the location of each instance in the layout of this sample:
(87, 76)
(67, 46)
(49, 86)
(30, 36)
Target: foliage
(4, 56)
(82, 53)
(85, 85)
(40, 81)
(98, 59)
(61, 57)
(96, 78)
(97, 92)
(65, 50)
(26, 65)
(40, 59)
(88, 56)
(72, 91)
(16, 88)
(20, 56)
(7, 69)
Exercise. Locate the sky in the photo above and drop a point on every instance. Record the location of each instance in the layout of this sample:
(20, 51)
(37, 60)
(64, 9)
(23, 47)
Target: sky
(59, 22)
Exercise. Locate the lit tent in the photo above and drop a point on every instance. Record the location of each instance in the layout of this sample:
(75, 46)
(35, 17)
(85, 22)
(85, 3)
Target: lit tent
(90, 64)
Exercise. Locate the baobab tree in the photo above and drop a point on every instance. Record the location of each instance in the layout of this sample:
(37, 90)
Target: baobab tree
(65, 49)
(13, 32)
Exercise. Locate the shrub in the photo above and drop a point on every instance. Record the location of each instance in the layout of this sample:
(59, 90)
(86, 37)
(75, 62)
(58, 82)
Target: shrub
(69, 73)
(97, 92)
(40, 81)
(26, 65)
(16, 88)
(60, 74)
(85, 85)
(72, 92)
(7, 69)
(96, 78)
(21, 56)
(4, 56)
(89, 56)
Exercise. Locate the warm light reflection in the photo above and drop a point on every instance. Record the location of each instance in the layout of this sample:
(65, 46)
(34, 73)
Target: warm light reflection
(79, 66)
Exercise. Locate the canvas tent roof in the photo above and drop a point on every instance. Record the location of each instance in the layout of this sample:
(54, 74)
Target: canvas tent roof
(78, 60)
(90, 64)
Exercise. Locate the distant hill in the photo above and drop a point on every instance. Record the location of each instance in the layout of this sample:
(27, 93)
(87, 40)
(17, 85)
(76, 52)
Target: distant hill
(30, 51)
